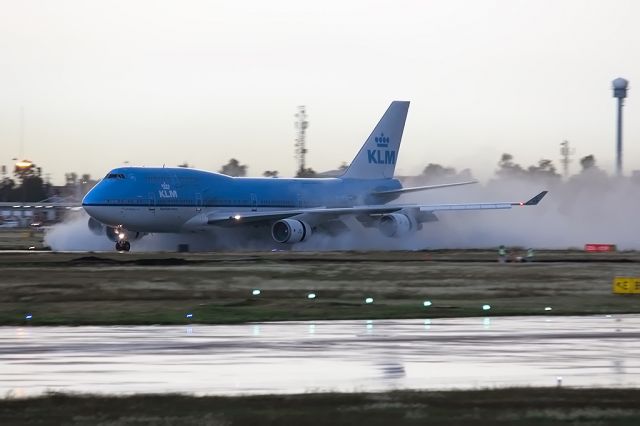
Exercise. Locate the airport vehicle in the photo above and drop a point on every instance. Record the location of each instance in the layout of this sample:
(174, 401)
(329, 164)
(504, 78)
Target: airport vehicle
(133, 201)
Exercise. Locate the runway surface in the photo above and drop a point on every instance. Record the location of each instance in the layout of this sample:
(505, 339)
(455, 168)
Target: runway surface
(292, 357)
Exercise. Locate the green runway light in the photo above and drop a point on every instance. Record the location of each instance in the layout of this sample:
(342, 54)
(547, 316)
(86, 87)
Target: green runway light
(256, 292)
(548, 308)
(368, 300)
(426, 303)
(311, 296)
(486, 307)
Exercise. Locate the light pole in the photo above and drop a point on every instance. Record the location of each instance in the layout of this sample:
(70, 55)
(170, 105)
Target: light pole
(619, 91)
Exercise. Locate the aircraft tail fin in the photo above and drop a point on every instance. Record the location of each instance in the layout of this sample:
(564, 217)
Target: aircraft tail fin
(377, 157)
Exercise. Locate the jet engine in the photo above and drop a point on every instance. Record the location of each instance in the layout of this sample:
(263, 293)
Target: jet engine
(290, 231)
(395, 224)
(95, 226)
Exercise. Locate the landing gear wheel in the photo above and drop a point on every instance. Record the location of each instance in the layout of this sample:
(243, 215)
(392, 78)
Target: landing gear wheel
(123, 246)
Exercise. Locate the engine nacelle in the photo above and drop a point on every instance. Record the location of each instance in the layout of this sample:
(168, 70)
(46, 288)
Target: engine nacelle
(395, 224)
(95, 226)
(290, 231)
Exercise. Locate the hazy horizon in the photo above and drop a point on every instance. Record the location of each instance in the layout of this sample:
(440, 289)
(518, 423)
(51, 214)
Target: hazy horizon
(162, 82)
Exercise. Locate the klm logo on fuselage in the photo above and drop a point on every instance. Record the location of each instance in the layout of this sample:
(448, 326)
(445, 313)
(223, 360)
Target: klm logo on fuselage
(167, 192)
(381, 156)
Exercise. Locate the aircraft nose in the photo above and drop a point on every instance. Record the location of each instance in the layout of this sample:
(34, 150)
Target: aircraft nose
(92, 202)
(92, 197)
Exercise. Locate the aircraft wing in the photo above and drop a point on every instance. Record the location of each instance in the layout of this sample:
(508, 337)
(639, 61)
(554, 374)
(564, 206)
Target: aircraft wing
(22, 205)
(252, 217)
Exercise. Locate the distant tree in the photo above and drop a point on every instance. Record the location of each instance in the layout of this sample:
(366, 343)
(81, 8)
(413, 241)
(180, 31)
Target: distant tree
(507, 168)
(544, 168)
(7, 187)
(234, 168)
(70, 178)
(588, 162)
(306, 173)
(32, 187)
(436, 171)
(185, 165)
(270, 173)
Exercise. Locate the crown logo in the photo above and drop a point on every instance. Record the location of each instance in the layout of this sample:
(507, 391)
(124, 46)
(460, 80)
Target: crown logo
(382, 141)
(165, 186)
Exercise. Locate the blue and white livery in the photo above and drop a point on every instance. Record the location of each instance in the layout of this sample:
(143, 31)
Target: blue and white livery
(132, 201)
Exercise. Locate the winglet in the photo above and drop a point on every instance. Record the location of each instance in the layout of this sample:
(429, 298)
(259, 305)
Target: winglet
(535, 200)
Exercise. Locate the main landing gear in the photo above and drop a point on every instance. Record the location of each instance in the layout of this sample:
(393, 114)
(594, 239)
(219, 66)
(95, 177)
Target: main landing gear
(123, 245)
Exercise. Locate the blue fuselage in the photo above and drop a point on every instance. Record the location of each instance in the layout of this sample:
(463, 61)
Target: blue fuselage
(168, 199)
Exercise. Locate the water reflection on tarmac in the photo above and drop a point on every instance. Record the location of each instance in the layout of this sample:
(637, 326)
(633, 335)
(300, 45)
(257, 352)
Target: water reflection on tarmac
(290, 357)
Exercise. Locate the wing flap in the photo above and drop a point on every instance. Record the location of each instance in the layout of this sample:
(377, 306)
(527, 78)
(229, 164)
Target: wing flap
(476, 206)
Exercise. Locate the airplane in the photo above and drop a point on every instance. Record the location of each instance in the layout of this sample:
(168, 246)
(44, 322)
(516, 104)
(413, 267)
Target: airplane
(131, 202)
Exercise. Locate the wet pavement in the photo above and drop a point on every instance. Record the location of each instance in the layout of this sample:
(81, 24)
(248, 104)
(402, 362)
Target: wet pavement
(293, 357)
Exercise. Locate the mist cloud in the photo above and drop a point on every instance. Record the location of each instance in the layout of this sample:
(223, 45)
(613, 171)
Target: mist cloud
(588, 208)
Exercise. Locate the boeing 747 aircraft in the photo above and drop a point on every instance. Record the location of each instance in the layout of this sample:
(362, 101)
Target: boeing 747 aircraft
(133, 201)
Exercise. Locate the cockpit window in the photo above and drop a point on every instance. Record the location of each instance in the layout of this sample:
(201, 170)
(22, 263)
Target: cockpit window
(115, 176)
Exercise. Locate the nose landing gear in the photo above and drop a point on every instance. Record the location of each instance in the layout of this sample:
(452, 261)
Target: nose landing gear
(123, 245)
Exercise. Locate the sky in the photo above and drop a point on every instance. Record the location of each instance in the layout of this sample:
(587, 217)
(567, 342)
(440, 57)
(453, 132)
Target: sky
(153, 82)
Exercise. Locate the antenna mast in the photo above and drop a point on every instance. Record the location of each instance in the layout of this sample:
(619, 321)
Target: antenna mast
(566, 153)
(301, 125)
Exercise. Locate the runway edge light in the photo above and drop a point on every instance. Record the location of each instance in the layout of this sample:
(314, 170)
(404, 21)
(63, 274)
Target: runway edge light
(486, 307)
(368, 300)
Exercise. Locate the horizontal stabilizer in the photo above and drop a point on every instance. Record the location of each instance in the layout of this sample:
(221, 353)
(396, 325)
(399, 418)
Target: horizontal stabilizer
(422, 188)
